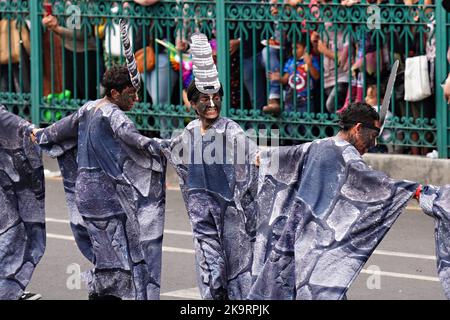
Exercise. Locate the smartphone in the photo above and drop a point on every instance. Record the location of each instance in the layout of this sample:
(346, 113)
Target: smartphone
(48, 8)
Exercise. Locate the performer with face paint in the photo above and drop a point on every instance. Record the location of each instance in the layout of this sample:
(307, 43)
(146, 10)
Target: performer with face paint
(215, 162)
(22, 219)
(114, 183)
(323, 212)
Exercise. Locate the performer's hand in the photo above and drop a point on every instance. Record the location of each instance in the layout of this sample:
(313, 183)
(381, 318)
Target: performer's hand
(33, 135)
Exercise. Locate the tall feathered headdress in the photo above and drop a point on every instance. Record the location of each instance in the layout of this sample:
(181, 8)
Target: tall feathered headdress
(129, 55)
(205, 72)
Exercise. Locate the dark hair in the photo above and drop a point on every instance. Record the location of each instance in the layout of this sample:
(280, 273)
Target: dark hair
(193, 93)
(301, 41)
(358, 112)
(118, 78)
(446, 5)
(371, 80)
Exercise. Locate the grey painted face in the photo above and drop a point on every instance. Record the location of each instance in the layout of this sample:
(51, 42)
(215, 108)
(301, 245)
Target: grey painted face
(206, 102)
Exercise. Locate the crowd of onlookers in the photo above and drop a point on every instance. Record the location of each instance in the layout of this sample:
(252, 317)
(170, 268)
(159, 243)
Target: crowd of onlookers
(300, 67)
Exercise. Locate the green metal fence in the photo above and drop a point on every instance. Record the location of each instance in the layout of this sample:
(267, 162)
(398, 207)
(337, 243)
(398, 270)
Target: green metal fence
(64, 67)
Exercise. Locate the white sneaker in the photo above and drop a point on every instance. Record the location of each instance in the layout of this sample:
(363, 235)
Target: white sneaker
(30, 296)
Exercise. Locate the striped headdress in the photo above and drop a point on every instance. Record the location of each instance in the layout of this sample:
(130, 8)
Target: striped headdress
(205, 72)
(129, 55)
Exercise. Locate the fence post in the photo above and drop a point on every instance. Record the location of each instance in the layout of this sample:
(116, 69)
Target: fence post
(36, 68)
(222, 53)
(442, 39)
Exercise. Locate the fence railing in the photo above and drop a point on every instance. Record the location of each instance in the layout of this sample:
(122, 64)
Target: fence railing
(260, 46)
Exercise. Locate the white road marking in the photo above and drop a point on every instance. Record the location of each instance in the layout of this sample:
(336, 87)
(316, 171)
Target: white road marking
(59, 236)
(52, 174)
(178, 250)
(190, 293)
(168, 231)
(178, 232)
(57, 220)
(165, 249)
(400, 275)
(190, 251)
(404, 255)
(377, 252)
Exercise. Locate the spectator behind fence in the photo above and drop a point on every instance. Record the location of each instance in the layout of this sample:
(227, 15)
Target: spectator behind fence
(271, 53)
(82, 84)
(252, 74)
(271, 59)
(14, 49)
(418, 46)
(295, 78)
(160, 81)
(334, 57)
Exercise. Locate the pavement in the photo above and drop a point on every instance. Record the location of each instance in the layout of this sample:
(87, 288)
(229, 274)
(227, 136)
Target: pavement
(402, 267)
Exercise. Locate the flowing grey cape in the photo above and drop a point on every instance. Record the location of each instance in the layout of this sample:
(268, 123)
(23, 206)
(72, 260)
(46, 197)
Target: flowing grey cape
(114, 181)
(22, 218)
(435, 202)
(218, 181)
(322, 212)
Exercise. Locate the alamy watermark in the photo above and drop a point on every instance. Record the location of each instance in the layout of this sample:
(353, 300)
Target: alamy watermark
(73, 282)
(73, 21)
(374, 280)
(374, 17)
(228, 147)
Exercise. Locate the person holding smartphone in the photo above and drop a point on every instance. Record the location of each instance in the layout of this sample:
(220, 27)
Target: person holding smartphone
(80, 66)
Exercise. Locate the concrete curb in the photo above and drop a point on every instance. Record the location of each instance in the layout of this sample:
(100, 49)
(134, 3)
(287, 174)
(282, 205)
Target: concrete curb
(415, 168)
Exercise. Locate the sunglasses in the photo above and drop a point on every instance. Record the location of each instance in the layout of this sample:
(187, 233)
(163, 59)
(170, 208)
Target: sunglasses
(366, 125)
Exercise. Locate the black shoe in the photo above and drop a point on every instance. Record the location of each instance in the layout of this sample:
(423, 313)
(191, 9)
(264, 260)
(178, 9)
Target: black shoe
(95, 296)
(30, 296)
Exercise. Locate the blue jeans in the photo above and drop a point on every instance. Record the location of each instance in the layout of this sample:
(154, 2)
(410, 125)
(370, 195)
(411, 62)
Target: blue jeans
(160, 83)
(273, 56)
(330, 94)
(257, 97)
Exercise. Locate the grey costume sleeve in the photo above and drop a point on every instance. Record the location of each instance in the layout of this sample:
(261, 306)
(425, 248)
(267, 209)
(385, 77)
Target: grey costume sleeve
(435, 202)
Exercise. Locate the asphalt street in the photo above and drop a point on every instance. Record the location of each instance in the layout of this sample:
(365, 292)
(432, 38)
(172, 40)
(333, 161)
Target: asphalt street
(402, 267)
